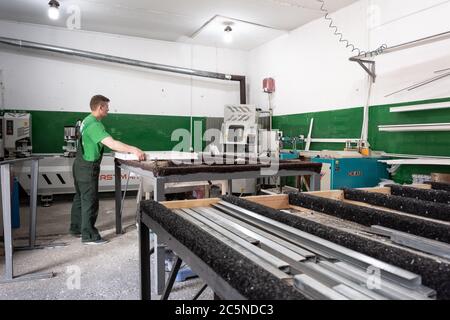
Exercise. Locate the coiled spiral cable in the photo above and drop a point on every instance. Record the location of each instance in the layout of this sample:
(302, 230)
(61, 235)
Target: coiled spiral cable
(347, 43)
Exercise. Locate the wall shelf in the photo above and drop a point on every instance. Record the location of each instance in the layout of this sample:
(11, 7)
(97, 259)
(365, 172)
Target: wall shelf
(422, 107)
(415, 127)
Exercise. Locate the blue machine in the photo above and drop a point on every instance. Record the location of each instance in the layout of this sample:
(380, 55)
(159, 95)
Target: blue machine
(354, 172)
(289, 155)
(15, 205)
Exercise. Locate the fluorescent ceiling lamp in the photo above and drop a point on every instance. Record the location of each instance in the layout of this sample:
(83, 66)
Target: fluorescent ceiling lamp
(53, 10)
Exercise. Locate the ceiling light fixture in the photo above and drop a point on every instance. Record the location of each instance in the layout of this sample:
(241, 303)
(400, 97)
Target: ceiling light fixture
(53, 10)
(228, 37)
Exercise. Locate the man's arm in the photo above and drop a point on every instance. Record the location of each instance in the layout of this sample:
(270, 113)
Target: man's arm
(122, 147)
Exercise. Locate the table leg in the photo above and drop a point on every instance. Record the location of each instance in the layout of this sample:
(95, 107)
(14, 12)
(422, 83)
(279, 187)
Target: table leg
(315, 182)
(144, 250)
(118, 194)
(158, 263)
(33, 201)
(5, 174)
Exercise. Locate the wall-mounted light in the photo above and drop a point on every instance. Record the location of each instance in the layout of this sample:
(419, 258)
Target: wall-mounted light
(53, 10)
(228, 37)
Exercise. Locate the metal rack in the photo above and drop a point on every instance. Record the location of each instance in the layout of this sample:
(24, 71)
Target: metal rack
(369, 65)
(5, 173)
(315, 267)
(159, 195)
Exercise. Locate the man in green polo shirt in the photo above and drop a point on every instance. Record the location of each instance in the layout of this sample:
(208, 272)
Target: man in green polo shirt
(86, 170)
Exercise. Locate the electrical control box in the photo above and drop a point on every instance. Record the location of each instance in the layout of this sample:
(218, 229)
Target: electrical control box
(17, 135)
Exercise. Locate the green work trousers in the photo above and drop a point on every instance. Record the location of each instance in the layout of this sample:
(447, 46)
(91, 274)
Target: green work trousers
(85, 203)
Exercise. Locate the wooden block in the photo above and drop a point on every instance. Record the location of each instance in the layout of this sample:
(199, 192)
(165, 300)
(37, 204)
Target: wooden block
(440, 177)
(384, 190)
(420, 186)
(185, 204)
(273, 201)
(334, 194)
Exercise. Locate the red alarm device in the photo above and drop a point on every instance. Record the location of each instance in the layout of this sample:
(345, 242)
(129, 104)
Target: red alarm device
(269, 85)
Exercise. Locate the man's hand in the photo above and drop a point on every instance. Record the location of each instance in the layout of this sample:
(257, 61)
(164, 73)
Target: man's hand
(139, 154)
(122, 147)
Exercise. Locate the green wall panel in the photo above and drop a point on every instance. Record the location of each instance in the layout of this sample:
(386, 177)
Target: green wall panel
(148, 132)
(419, 143)
(48, 129)
(347, 123)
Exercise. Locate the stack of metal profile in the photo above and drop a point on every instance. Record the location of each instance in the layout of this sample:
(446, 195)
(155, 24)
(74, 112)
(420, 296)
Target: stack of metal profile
(318, 268)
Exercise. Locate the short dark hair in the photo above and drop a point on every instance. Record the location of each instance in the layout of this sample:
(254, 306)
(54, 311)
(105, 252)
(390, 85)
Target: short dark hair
(97, 100)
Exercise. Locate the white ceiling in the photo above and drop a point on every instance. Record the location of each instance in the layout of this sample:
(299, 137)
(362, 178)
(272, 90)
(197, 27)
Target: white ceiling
(178, 20)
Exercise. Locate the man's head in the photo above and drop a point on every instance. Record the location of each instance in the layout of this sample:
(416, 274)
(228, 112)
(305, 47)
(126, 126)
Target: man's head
(99, 106)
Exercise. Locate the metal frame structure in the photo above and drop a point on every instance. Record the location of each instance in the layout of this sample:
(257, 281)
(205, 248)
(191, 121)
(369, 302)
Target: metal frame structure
(369, 65)
(317, 268)
(219, 285)
(159, 182)
(5, 175)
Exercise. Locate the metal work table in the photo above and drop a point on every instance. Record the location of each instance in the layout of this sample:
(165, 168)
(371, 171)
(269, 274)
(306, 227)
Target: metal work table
(5, 176)
(220, 286)
(160, 181)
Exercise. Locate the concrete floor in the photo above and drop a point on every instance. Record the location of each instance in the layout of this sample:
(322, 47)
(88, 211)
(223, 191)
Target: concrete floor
(109, 271)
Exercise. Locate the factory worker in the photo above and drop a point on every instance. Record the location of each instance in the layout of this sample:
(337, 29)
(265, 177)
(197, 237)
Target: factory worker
(86, 169)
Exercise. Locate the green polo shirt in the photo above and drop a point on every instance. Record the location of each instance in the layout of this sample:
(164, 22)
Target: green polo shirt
(92, 132)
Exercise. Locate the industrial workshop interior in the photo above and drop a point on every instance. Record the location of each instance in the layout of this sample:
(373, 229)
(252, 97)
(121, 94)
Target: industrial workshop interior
(226, 150)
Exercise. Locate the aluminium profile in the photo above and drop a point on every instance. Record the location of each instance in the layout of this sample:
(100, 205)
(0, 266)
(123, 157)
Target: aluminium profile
(350, 293)
(260, 231)
(228, 227)
(316, 290)
(427, 127)
(421, 107)
(250, 254)
(348, 281)
(384, 287)
(436, 248)
(339, 252)
(411, 44)
(274, 231)
(388, 286)
(264, 242)
(326, 140)
(420, 161)
(269, 258)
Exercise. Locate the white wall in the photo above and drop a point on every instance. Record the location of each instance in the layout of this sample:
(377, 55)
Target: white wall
(39, 81)
(313, 73)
